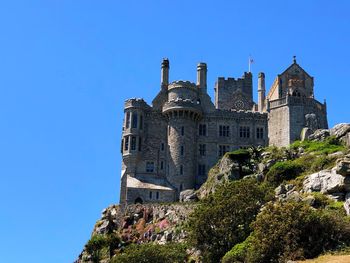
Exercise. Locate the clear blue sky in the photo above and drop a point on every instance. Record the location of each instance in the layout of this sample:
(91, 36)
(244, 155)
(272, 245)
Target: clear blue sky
(66, 68)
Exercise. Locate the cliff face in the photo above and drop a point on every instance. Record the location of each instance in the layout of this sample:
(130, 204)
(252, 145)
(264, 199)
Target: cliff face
(314, 172)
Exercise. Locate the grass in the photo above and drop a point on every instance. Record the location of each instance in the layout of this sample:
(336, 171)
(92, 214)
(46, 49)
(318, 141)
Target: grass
(330, 145)
(329, 259)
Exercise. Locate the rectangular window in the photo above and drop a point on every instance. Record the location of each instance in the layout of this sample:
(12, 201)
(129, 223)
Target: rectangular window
(182, 130)
(224, 131)
(157, 195)
(223, 149)
(127, 120)
(162, 146)
(182, 150)
(140, 142)
(133, 143)
(134, 120)
(161, 165)
(202, 130)
(126, 145)
(201, 170)
(260, 133)
(181, 170)
(149, 167)
(141, 122)
(121, 146)
(150, 195)
(244, 132)
(202, 149)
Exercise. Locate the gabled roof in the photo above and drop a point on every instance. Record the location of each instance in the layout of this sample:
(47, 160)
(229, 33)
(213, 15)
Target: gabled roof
(295, 63)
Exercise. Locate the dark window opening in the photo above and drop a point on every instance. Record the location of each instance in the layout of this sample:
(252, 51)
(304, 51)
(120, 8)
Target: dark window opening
(223, 149)
(140, 144)
(149, 167)
(138, 200)
(134, 120)
(126, 145)
(133, 143)
(244, 132)
(202, 130)
(162, 146)
(161, 165)
(181, 170)
(157, 195)
(182, 151)
(150, 195)
(182, 130)
(202, 149)
(141, 122)
(224, 131)
(260, 133)
(127, 121)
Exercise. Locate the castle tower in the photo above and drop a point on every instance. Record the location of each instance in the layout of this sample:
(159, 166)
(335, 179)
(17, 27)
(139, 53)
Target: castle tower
(183, 113)
(202, 77)
(164, 78)
(261, 92)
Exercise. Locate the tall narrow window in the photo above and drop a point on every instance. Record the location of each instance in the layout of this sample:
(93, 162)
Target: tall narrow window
(150, 195)
(141, 122)
(157, 195)
(121, 146)
(202, 149)
(202, 130)
(133, 143)
(260, 133)
(182, 150)
(134, 120)
(181, 170)
(161, 165)
(223, 149)
(162, 146)
(127, 120)
(126, 145)
(140, 144)
(182, 130)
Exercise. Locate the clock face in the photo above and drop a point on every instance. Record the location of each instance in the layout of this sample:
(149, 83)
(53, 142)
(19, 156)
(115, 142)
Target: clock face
(239, 105)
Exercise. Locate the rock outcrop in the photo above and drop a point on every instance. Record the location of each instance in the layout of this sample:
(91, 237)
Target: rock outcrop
(340, 131)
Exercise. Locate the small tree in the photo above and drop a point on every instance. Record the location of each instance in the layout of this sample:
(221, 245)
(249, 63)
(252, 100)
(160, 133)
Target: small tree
(95, 245)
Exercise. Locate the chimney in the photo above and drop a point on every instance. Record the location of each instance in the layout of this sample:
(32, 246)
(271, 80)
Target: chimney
(164, 75)
(202, 76)
(261, 92)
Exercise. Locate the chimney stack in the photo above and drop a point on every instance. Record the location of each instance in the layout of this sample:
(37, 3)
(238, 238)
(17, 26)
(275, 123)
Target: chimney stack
(202, 76)
(164, 78)
(261, 92)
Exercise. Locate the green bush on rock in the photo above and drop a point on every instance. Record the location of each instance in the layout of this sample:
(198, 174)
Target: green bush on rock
(223, 220)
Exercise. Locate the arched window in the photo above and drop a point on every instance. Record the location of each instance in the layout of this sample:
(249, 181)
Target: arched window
(138, 200)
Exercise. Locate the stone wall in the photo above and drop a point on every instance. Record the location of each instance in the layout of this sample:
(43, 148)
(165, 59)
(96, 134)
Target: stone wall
(279, 126)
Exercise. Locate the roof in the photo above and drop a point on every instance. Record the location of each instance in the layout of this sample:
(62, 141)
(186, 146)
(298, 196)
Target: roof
(151, 183)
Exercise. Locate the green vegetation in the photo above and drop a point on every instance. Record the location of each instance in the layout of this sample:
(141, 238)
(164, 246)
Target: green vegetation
(223, 220)
(152, 253)
(241, 156)
(290, 230)
(102, 246)
(330, 145)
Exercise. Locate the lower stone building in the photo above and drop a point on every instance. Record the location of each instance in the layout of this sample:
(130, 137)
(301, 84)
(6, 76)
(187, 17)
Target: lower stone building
(169, 146)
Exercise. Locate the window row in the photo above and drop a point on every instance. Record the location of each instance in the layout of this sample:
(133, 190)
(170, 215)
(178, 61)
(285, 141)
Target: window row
(130, 142)
(224, 131)
(135, 119)
(151, 195)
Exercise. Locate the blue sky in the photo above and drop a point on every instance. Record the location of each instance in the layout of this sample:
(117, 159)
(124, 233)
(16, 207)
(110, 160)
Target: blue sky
(67, 67)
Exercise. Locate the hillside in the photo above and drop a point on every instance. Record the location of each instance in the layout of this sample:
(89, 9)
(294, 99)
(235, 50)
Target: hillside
(257, 205)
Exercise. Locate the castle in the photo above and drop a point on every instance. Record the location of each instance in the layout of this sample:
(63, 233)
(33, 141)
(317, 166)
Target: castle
(169, 146)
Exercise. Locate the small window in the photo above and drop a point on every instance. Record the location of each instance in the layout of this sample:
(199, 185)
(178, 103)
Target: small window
(202, 130)
(149, 167)
(134, 120)
(121, 146)
(141, 122)
(224, 131)
(182, 130)
(202, 149)
(182, 150)
(126, 145)
(161, 165)
(133, 143)
(127, 121)
(140, 144)
(162, 146)
(181, 187)
(244, 132)
(260, 133)
(157, 195)
(150, 195)
(181, 170)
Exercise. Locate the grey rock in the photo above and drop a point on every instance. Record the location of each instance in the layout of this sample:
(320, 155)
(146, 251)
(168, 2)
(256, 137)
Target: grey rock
(347, 204)
(325, 181)
(337, 196)
(310, 200)
(319, 135)
(293, 196)
(343, 166)
(340, 130)
(280, 190)
(188, 196)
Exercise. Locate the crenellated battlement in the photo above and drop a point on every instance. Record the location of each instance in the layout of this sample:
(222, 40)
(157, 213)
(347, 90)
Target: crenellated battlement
(136, 103)
(182, 84)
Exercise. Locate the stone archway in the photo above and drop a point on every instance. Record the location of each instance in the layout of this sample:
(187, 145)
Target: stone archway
(138, 200)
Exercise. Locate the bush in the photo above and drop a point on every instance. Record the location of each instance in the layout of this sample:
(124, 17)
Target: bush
(294, 231)
(152, 253)
(223, 220)
(95, 245)
(329, 145)
(238, 252)
(283, 171)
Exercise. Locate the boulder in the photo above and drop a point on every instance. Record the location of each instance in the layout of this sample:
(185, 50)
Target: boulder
(340, 130)
(325, 181)
(305, 133)
(343, 166)
(188, 196)
(319, 135)
(347, 204)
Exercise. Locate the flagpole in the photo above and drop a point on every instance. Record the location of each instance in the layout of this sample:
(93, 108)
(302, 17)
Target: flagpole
(249, 61)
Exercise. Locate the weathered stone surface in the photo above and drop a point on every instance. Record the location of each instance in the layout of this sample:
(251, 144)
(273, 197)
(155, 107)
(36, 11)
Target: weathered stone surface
(188, 196)
(305, 133)
(325, 181)
(347, 204)
(319, 135)
(343, 166)
(340, 130)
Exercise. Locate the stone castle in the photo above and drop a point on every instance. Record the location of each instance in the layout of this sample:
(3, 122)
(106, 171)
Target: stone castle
(169, 146)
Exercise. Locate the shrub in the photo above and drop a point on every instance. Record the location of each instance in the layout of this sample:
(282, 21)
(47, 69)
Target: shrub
(238, 252)
(152, 253)
(293, 231)
(223, 220)
(329, 145)
(283, 171)
(95, 245)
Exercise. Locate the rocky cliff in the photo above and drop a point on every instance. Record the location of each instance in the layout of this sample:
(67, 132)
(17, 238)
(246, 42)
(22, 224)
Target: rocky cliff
(315, 171)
